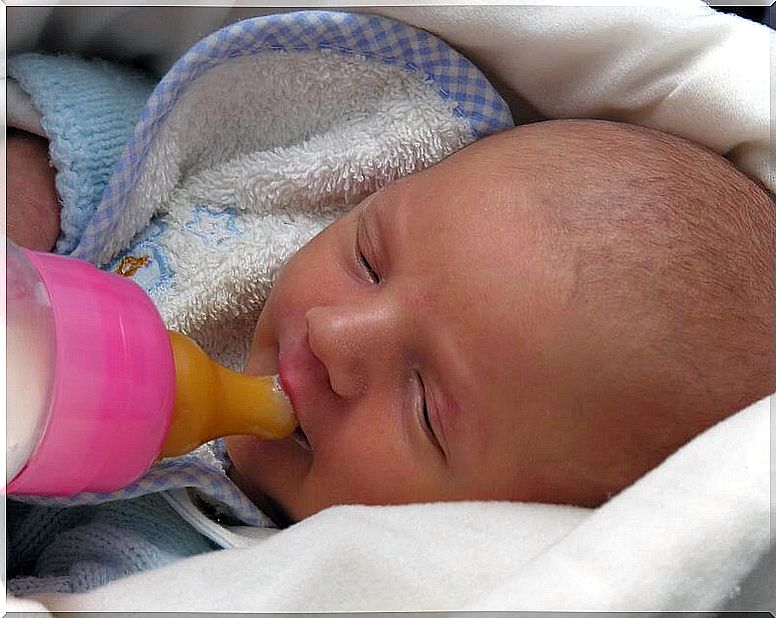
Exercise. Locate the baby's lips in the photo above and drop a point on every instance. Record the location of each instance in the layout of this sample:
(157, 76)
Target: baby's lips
(284, 406)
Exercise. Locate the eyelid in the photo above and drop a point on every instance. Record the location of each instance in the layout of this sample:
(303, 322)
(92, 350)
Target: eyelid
(425, 413)
(366, 262)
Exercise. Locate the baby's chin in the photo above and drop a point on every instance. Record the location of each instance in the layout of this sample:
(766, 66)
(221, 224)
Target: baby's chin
(238, 448)
(269, 472)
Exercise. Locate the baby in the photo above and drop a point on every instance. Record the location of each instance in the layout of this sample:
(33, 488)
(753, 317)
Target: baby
(544, 316)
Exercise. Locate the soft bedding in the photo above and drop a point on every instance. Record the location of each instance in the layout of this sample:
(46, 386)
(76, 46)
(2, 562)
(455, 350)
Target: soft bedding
(694, 534)
(675, 540)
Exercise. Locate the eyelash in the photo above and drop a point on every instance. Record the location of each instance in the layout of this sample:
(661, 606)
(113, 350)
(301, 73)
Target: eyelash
(367, 268)
(363, 262)
(426, 419)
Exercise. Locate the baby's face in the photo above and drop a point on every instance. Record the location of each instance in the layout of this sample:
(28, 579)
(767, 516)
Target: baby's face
(422, 341)
(449, 340)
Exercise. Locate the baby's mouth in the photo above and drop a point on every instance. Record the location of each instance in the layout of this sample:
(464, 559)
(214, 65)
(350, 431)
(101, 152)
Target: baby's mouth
(298, 435)
(300, 438)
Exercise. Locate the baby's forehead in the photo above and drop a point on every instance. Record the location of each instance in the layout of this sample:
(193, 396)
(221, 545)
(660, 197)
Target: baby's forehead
(523, 190)
(459, 189)
(468, 243)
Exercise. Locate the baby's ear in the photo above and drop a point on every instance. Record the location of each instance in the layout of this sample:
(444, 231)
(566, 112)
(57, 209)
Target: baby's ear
(32, 211)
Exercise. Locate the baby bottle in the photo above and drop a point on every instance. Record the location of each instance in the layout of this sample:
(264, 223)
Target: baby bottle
(98, 389)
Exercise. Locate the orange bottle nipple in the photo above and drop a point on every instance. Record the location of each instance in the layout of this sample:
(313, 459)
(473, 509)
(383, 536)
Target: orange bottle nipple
(212, 401)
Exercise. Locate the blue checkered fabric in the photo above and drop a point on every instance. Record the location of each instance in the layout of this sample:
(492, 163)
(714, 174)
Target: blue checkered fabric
(193, 470)
(366, 36)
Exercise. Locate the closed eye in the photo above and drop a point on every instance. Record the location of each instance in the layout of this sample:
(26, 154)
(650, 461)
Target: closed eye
(428, 427)
(367, 267)
(363, 261)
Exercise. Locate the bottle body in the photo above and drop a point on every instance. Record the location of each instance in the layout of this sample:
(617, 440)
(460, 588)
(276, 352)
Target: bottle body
(110, 383)
(98, 388)
(30, 353)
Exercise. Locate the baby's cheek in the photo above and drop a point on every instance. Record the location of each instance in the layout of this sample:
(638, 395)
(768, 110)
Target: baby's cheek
(317, 273)
(376, 467)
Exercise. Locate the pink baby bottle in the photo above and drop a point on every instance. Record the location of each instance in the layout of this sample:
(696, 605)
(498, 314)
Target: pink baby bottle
(98, 389)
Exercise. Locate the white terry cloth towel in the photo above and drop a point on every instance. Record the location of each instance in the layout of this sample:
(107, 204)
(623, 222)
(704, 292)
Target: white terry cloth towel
(682, 538)
(259, 136)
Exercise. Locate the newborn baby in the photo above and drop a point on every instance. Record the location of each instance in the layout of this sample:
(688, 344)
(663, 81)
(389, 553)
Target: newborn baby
(544, 316)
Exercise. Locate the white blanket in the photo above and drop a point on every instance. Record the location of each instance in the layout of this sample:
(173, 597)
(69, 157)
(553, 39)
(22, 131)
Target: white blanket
(676, 540)
(686, 535)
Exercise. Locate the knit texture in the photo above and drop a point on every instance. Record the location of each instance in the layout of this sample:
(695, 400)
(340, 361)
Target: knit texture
(59, 549)
(88, 110)
(76, 543)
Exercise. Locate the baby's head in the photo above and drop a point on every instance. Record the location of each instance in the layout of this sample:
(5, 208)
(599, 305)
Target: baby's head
(544, 316)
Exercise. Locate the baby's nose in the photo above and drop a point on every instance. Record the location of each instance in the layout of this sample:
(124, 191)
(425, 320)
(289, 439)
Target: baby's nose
(354, 344)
